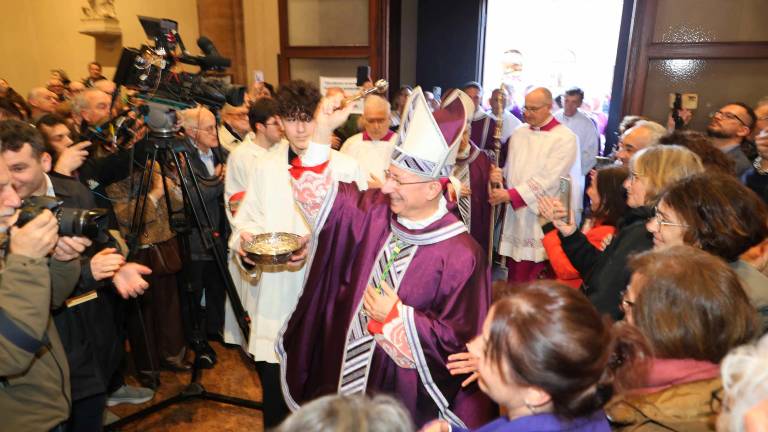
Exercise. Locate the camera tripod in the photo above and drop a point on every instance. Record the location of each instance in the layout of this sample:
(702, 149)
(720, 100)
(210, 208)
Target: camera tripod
(166, 147)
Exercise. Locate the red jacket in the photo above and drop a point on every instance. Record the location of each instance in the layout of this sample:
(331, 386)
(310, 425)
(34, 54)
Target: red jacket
(560, 263)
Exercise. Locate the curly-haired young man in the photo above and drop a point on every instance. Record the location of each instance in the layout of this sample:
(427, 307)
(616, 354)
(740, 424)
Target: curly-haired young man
(269, 206)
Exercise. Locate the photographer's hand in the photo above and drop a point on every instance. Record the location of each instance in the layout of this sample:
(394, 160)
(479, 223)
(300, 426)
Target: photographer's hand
(72, 158)
(140, 131)
(221, 171)
(128, 280)
(37, 237)
(685, 115)
(69, 248)
(156, 191)
(106, 263)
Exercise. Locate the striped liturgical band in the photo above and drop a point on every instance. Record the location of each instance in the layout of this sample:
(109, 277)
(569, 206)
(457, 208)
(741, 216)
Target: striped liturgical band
(390, 267)
(465, 204)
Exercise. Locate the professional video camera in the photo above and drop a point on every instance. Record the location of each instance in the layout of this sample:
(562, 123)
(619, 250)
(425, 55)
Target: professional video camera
(149, 70)
(116, 132)
(72, 221)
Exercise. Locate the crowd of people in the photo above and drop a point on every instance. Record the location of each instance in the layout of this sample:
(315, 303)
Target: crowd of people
(457, 268)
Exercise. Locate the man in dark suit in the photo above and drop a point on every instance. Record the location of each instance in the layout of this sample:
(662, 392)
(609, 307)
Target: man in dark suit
(203, 277)
(87, 330)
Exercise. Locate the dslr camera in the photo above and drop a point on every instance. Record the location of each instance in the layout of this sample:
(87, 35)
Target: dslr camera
(72, 221)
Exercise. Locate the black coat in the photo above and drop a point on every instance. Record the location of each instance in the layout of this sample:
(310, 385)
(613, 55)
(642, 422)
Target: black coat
(97, 173)
(88, 331)
(212, 191)
(757, 182)
(605, 273)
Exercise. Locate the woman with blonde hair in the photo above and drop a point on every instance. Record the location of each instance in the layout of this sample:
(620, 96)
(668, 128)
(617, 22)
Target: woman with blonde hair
(605, 272)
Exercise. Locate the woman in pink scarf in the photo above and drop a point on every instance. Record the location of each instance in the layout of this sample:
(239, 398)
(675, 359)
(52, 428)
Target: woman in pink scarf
(692, 309)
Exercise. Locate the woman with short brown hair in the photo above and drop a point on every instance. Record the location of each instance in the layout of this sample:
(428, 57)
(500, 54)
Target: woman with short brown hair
(721, 216)
(692, 309)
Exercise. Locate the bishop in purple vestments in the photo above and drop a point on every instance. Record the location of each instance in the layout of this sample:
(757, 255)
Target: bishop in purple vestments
(398, 243)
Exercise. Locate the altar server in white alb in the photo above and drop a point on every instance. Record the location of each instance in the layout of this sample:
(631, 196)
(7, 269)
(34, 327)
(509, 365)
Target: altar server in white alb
(269, 206)
(372, 148)
(265, 141)
(581, 125)
(540, 153)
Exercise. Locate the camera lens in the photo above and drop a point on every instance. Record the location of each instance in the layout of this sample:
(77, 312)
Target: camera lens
(79, 222)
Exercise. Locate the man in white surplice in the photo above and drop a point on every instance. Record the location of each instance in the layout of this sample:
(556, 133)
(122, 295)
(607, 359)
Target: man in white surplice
(373, 147)
(540, 152)
(265, 139)
(269, 206)
(264, 142)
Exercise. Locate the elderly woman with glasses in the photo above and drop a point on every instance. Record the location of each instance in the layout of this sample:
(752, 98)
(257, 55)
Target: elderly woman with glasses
(721, 216)
(691, 319)
(605, 272)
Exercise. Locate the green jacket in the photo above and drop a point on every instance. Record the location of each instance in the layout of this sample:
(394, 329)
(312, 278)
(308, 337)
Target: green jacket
(36, 394)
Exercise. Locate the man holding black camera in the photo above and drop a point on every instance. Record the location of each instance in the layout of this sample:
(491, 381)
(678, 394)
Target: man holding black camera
(87, 330)
(34, 374)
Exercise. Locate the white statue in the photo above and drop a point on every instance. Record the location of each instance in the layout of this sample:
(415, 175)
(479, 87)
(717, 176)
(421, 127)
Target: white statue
(100, 9)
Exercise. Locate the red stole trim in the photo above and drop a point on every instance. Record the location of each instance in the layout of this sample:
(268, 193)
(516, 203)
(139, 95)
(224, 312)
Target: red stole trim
(386, 137)
(547, 127)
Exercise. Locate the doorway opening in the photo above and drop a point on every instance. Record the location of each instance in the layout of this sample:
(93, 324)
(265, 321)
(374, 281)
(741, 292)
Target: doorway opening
(557, 44)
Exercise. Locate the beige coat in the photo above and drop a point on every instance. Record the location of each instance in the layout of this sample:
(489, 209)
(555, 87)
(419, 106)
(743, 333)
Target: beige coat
(686, 407)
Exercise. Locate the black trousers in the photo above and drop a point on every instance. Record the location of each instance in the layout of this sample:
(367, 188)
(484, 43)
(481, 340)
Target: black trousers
(203, 277)
(87, 414)
(275, 410)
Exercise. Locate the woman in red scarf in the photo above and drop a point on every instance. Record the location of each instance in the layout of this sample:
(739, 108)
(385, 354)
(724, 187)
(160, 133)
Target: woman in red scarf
(607, 204)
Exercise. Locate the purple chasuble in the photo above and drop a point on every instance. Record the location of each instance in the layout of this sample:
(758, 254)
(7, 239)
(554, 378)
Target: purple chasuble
(480, 210)
(446, 293)
(481, 134)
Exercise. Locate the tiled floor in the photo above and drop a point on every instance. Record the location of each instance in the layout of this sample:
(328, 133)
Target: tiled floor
(233, 375)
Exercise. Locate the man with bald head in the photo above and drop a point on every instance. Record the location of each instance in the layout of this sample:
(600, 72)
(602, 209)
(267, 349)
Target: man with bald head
(106, 86)
(202, 274)
(643, 134)
(540, 152)
(372, 148)
(42, 101)
(74, 89)
(57, 87)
